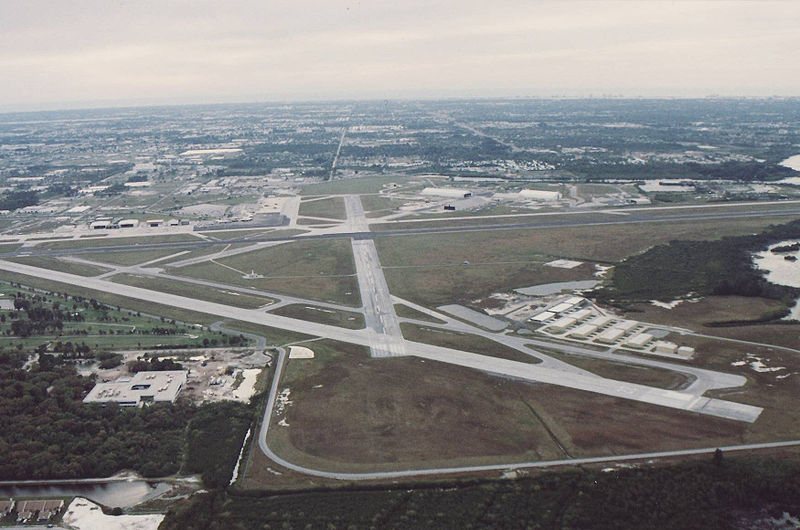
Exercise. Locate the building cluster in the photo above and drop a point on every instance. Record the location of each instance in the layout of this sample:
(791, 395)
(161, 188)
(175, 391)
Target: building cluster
(141, 389)
(31, 510)
(109, 223)
(573, 318)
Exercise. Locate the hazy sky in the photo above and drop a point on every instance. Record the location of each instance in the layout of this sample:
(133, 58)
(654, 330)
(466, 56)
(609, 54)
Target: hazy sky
(75, 52)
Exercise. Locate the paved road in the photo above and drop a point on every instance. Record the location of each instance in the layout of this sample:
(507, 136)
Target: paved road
(519, 370)
(383, 475)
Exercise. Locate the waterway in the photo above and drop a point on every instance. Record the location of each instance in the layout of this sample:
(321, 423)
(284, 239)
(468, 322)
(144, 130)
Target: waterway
(781, 271)
(123, 494)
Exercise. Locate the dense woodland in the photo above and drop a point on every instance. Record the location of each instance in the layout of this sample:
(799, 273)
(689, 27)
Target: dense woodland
(717, 493)
(49, 433)
(720, 267)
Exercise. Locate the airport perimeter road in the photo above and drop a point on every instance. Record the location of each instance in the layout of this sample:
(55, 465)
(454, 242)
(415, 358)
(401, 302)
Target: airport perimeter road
(388, 475)
(386, 339)
(493, 365)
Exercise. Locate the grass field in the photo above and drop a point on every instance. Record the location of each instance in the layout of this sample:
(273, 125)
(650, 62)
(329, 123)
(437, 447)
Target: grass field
(403, 311)
(463, 342)
(350, 412)
(344, 319)
(332, 208)
(374, 202)
(55, 264)
(201, 292)
(355, 185)
(436, 285)
(131, 257)
(316, 269)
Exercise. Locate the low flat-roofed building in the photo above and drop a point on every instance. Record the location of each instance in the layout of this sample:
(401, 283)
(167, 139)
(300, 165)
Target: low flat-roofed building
(626, 325)
(574, 300)
(601, 321)
(583, 331)
(582, 314)
(685, 351)
(143, 387)
(640, 340)
(668, 348)
(543, 316)
(451, 193)
(561, 324)
(560, 308)
(610, 335)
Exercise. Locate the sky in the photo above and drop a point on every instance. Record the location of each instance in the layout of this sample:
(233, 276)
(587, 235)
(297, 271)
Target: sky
(61, 54)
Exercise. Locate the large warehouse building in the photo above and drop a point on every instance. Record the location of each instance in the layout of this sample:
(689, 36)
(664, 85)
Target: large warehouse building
(449, 193)
(142, 388)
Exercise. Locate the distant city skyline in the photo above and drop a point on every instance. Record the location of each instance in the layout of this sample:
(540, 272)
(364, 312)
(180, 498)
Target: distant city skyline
(91, 53)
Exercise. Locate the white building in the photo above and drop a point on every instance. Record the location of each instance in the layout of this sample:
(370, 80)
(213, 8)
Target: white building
(540, 195)
(610, 335)
(667, 348)
(640, 340)
(129, 223)
(583, 331)
(449, 193)
(561, 324)
(144, 387)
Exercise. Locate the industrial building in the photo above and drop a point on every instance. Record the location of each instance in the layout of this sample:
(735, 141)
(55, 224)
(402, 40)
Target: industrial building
(583, 331)
(142, 388)
(543, 316)
(561, 324)
(640, 340)
(449, 193)
(610, 335)
(540, 195)
(666, 348)
(128, 223)
(601, 321)
(38, 510)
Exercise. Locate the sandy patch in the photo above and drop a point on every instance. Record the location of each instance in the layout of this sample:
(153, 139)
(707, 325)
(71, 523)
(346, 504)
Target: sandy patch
(83, 514)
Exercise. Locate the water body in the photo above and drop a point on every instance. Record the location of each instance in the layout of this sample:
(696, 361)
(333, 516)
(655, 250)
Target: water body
(555, 288)
(122, 494)
(781, 271)
(792, 162)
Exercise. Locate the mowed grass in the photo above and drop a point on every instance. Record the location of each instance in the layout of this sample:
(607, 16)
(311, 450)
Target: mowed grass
(463, 342)
(343, 319)
(349, 412)
(315, 269)
(437, 285)
(592, 242)
(375, 202)
(353, 185)
(353, 413)
(200, 292)
(127, 258)
(56, 264)
(403, 311)
(332, 208)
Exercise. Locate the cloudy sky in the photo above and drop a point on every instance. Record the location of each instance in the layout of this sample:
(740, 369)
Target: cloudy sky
(93, 52)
